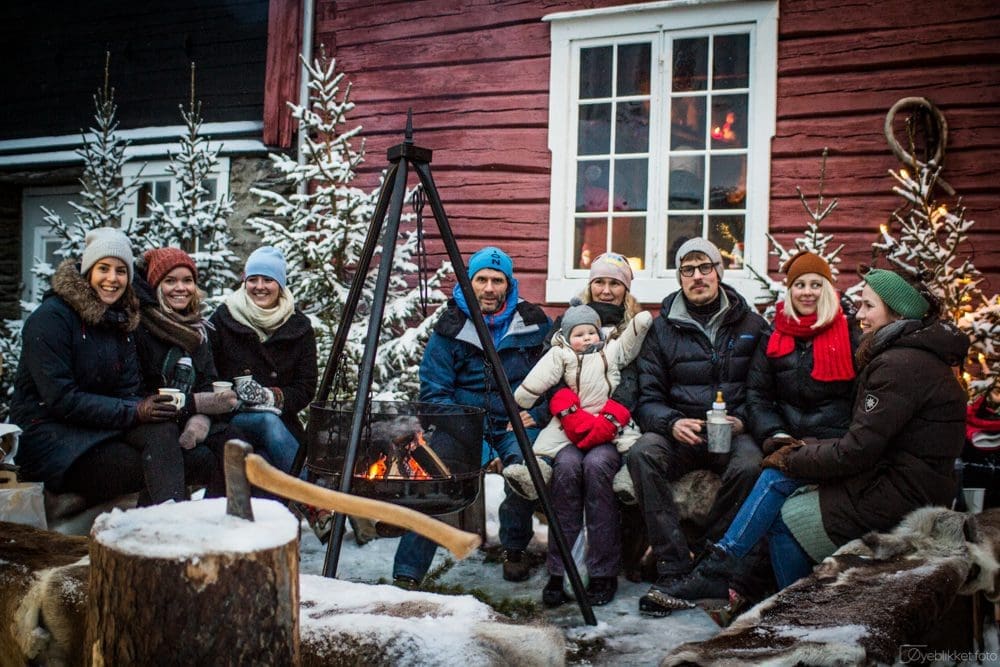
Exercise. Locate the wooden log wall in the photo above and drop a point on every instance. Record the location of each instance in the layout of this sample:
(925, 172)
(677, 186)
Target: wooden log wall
(476, 75)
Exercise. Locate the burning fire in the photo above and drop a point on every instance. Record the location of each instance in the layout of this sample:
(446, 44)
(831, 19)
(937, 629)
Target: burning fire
(402, 465)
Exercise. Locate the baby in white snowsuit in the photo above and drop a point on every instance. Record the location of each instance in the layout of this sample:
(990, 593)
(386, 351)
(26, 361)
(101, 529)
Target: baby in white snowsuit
(583, 413)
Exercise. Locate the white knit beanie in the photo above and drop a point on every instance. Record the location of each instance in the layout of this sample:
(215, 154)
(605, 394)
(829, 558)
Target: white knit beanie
(106, 242)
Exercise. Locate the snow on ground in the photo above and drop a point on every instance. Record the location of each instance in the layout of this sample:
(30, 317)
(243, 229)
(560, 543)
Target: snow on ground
(627, 637)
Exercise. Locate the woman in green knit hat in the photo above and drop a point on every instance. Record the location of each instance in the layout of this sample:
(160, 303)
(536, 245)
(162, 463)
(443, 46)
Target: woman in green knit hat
(907, 428)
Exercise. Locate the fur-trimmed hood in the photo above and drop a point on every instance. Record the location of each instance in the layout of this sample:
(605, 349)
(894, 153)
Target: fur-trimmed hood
(75, 290)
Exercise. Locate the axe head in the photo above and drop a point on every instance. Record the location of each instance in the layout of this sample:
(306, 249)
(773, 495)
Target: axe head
(237, 484)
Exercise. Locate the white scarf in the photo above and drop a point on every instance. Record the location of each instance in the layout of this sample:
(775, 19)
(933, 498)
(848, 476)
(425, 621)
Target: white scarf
(264, 321)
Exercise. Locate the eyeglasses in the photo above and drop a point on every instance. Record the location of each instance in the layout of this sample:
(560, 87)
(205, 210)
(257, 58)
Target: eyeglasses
(703, 269)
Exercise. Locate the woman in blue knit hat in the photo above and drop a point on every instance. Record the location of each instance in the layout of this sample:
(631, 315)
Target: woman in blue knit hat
(907, 428)
(266, 346)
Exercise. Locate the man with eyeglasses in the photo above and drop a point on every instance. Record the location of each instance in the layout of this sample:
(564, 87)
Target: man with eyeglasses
(701, 343)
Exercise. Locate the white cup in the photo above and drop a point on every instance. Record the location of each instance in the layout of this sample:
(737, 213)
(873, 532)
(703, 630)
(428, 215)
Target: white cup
(974, 499)
(719, 433)
(176, 396)
(220, 386)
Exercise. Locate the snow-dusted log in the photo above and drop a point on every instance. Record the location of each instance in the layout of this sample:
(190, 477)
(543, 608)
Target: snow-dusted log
(190, 582)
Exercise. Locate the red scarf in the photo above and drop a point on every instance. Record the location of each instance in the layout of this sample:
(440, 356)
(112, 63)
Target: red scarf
(832, 358)
(975, 424)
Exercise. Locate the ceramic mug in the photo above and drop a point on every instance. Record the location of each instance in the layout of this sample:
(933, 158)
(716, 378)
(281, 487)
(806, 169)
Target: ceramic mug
(176, 396)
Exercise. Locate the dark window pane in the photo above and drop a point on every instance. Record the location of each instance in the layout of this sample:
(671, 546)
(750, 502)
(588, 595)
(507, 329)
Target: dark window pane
(595, 72)
(592, 186)
(628, 237)
(144, 196)
(731, 61)
(211, 186)
(631, 184)
(729, 121)
(680, 228)
(687, 123)
(690, 67)
(162, 191)
(633, 69)
(589, 240)
(687, 183)
(726, 232)
(632, 127)
(728, 182)
(595, 130)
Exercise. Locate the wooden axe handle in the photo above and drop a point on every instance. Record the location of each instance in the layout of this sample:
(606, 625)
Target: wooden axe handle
(262, 474)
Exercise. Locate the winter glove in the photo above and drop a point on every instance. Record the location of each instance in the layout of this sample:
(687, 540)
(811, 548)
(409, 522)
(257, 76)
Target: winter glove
(779, 459)
(609, 423)
(575, 421)
(211, 403)
(252, 393)
(195, 431)
(776, 442)
(156, 408)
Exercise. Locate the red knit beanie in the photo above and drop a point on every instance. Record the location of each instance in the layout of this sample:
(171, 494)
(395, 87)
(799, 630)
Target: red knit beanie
(161, 261)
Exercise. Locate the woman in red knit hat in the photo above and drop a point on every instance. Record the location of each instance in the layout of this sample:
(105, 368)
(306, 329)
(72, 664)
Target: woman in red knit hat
(173, 349)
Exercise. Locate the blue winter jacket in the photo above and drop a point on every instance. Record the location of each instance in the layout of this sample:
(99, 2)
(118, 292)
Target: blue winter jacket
(453, 369)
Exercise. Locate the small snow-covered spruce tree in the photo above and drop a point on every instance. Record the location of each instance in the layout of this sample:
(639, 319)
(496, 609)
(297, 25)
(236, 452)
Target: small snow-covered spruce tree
(925, 236)
(104, 194)
(196, 221)
(322, 231)
(813, 240)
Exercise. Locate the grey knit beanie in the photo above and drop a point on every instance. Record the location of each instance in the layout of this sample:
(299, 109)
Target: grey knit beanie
(705, 247)
(577, 315)
(106, 242)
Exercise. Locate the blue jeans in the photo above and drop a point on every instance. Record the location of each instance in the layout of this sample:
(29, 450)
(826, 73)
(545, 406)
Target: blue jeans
(415, 553)
(268, 432)
(788, 560)
(758, 512)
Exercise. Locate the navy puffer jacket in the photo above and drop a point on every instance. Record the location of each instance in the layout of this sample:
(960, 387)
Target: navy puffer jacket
(680, 369)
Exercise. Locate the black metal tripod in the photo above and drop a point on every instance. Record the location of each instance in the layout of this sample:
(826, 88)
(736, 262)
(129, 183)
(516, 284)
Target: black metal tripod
(390, 200)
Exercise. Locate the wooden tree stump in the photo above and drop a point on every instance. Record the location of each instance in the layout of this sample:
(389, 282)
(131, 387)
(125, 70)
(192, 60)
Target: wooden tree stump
(187, 584)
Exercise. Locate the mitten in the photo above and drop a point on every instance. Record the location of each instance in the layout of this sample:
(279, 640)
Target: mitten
(195, 431)
(776, 442)
(252, 393)
(156, 408)
(609, 423)
(575, 421)
(779, 459)
(211, 403)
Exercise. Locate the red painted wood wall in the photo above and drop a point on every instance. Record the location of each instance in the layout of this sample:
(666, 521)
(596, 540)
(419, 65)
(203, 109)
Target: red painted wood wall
(476, 75)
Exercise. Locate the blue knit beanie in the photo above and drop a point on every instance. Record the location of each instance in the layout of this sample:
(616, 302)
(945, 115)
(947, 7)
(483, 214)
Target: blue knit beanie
(492, 258)
(266, 261)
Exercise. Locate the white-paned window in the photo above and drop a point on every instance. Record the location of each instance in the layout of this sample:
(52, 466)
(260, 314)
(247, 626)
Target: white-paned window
(660, 122)
(155, 183)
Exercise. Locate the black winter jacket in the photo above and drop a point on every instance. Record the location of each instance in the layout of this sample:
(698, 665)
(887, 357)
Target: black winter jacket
(907, 429)
(782, 395)
(77, 380)
(680, 369)
(286, 360)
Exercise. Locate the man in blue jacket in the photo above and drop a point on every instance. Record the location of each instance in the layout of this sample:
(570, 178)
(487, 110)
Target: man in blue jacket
(454, 371)
(702, 343)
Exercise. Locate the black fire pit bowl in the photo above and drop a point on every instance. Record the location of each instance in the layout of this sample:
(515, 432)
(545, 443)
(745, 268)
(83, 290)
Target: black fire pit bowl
(444, 441)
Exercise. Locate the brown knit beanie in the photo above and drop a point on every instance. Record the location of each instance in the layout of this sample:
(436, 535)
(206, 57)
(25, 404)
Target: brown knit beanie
(806, 262)
(161, 261)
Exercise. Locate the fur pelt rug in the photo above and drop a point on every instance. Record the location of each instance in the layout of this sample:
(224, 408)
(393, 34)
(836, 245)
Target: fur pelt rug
(873, 595)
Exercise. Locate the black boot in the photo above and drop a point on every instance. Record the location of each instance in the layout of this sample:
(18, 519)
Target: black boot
(516, 566)
(709, 579)
(601, 590)
(658, 603)
(553, 594)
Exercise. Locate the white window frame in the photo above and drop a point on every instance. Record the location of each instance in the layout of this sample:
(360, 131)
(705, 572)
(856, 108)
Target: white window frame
(135, 172)
(570, 31)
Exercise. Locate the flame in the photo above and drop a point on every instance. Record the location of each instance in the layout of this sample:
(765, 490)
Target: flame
(377, 470)
(413, 470)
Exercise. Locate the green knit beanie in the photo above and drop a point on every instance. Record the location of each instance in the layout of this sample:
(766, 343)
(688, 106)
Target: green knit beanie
(898, 294)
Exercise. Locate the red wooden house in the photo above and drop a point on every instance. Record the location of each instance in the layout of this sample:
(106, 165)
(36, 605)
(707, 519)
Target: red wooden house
(563, 128)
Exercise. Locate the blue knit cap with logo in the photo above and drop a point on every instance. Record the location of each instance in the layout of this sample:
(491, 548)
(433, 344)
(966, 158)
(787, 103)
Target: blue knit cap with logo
(492, 258)
(266, 261)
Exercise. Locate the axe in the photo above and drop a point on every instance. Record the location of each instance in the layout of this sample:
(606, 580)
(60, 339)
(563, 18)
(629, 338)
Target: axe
(244, 468)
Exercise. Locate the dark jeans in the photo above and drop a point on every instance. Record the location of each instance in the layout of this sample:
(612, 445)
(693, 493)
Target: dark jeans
(581, 486)
(105, 471)
(415, 553)
(654, 462)
(167, 468)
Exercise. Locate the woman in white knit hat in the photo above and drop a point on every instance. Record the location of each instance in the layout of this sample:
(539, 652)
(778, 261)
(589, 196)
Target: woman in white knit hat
(76, 394)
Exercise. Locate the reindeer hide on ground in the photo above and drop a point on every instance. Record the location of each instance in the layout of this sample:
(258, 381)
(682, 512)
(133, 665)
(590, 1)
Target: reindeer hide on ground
(862, 603)
(43, 596)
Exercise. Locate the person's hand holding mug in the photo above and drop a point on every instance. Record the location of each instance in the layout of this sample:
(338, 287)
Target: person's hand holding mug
(156, 408)
(687, 430)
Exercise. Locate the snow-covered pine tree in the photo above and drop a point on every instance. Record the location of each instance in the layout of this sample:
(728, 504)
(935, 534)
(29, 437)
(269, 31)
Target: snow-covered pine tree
(196, 221)
(322, 230)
